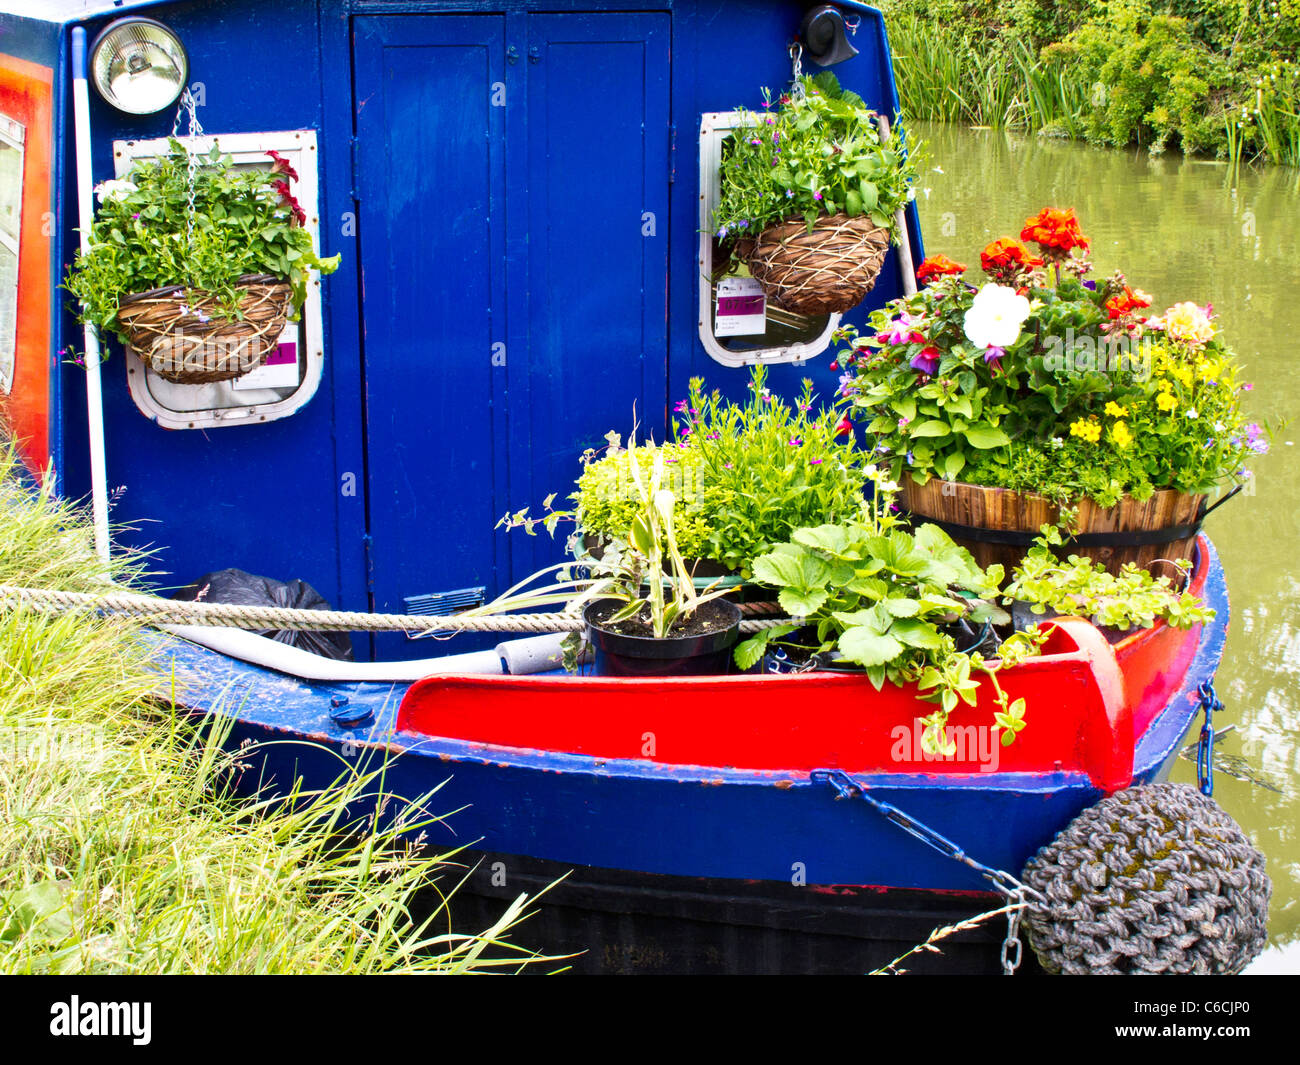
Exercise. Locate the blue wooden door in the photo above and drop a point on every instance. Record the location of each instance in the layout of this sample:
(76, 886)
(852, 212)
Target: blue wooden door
(512, 178)
(598, 173)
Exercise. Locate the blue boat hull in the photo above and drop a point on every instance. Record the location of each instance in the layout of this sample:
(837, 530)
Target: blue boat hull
(680, 832)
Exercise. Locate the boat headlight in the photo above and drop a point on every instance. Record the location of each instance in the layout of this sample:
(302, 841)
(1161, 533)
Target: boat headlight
(138, 65)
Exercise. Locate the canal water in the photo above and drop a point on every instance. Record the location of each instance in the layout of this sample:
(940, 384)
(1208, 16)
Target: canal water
(1187, 229)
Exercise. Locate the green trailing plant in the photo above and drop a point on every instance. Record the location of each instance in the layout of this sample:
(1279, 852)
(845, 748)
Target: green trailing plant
(1076, 586)
(244, 221)
(885, 599)
(809, 154)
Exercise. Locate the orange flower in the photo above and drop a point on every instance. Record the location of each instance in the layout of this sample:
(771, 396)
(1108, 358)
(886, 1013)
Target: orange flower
(937, 266)
(1127, 302)
(1007, 254)
(1055, 228)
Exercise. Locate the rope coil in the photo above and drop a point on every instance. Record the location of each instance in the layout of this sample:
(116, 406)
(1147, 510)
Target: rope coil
(1153, 879)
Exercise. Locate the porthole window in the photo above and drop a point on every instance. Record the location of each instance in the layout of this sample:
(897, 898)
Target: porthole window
(736, 326)
(293, 370)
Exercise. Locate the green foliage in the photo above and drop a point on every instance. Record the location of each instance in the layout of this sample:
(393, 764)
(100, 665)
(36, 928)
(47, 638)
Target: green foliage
(121, 847)
(766, 467)
(882, 598)
(142, 237)
(607, 501)
(821, 154)
(1078, 587)
(646, 558)
(1212, 76)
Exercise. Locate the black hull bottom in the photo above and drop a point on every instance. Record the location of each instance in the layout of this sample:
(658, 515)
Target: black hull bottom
(622, 922)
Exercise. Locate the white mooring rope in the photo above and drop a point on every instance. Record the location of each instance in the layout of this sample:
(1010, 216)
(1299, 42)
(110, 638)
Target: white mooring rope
(158, 611)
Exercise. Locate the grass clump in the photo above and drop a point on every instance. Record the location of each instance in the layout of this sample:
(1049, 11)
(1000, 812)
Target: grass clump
(121, 847)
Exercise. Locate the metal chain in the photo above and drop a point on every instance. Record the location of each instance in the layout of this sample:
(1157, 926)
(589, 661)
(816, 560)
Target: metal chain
(1210, 702)
(1017, 893)
(187, 106)
(796, 55)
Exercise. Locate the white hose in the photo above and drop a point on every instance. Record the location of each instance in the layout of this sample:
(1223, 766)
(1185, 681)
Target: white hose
(271, 654)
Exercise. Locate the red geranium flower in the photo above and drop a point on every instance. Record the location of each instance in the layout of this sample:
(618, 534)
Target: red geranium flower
(844, 426)
(1055, 229)
(1127, 302)
(937, 266)
(1005, 254)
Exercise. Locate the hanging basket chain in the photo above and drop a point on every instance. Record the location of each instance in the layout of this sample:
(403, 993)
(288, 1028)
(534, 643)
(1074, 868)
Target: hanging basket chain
(188, 107)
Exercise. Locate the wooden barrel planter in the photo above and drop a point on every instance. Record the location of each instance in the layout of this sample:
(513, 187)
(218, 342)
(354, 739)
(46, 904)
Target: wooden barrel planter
(998, 525)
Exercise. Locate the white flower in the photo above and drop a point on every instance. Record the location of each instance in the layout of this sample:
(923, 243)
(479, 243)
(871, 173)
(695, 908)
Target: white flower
(114, 190)
(995, 317)
(1192, 413)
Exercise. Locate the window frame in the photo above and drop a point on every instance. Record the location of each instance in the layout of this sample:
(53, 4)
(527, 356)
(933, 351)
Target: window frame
(714, 126)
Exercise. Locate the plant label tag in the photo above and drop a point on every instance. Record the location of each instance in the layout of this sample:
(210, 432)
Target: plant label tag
(742, 308)
(281, 367)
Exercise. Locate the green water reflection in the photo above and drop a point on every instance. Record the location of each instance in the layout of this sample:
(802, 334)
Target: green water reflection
(1185, 230)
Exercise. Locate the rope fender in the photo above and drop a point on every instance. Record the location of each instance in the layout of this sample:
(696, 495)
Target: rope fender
(158, 611)
(1154, 879)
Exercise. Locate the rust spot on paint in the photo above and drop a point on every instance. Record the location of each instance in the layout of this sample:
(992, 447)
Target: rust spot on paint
(783, 784)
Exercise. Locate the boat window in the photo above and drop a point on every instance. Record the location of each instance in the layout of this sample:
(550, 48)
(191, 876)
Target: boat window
(736, 332)
(293, 372)
(11, 209)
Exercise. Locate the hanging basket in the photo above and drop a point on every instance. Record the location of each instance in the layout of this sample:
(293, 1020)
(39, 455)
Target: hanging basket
(999, 525)
(183, 336)
(826, 271)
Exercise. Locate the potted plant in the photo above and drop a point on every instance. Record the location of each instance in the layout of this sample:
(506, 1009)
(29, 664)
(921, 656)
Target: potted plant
(743, 476)
(809, 194)
(893, 603)
(197, 265)
(652, 621)
(997, 406)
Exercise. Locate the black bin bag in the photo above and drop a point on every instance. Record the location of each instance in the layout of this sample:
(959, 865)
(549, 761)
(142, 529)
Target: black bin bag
(238, 588)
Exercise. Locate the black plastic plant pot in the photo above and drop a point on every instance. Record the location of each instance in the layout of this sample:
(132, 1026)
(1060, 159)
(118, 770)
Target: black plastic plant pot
(619, 655)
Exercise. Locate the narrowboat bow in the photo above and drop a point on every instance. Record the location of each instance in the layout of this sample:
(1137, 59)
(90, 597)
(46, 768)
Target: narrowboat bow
(696, 821)
(525, 257)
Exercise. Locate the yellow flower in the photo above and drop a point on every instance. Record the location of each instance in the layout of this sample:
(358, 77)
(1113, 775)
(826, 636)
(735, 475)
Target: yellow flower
(1166, 402)
(1120, 434)
(1115, 410)
(1086, 429)
(1209, 369)
(1165, 386)
(1188, 322)
(1183, 375)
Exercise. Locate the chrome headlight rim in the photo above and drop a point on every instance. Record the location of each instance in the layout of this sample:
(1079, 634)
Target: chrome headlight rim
(96, 74)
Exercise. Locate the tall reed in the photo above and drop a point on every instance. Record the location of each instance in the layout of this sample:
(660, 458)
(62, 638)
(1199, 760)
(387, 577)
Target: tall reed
(122, 849)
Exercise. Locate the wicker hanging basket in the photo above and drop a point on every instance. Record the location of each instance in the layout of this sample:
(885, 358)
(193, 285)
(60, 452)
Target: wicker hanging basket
(183, 337)
(826, 271)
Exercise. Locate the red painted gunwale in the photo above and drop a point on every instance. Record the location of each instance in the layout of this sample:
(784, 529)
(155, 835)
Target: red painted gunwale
(1087, 702)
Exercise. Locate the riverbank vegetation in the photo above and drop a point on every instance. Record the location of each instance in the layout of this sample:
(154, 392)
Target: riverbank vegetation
(1213, 77)
(121, 850)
